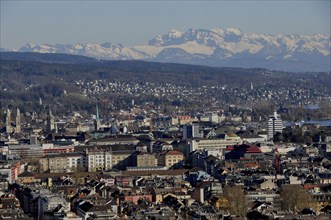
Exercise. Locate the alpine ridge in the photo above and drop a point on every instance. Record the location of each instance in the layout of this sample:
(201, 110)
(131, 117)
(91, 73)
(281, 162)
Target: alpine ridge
(228, 47)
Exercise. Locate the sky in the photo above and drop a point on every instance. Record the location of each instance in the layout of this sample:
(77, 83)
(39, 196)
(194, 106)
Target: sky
(135, 22)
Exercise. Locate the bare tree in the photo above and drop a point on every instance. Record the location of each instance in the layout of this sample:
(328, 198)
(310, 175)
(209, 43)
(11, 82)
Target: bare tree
(294, 198)
(233, 201)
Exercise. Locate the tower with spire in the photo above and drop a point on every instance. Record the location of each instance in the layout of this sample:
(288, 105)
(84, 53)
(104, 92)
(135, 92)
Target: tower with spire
(50, 121)
(97, 119)
(18, 121)
(9, 127)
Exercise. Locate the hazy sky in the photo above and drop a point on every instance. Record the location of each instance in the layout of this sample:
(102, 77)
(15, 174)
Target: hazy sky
(135, 22)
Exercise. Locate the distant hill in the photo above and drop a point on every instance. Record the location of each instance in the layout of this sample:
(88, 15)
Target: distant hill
(65, 80)
(22, 69)
(46, 57)
(46, 65)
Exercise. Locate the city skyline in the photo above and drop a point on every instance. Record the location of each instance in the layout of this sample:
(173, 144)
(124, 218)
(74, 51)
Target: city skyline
(136, 22)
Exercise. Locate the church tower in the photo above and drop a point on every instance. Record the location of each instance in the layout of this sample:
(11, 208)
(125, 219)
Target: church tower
(18, 121)
(50, 121)
(9, 127)
(97, 120)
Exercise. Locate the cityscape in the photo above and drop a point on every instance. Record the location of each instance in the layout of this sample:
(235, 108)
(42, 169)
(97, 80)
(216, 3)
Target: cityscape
(203, 123)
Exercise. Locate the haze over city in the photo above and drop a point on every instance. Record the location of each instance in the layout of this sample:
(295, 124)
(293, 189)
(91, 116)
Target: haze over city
(135, 22)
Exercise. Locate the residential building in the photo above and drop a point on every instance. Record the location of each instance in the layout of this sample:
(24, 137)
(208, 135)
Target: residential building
(47, 203)
(144, 159)
(99, 159)
(170, 158)
(64, 162)
(275, 124)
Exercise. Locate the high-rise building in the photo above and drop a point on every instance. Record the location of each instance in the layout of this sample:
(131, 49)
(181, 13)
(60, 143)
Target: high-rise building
(275, 124)
(191, 131)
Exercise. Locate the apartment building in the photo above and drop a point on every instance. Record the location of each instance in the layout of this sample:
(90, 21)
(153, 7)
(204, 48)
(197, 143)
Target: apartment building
(64, 162)
(170, 158)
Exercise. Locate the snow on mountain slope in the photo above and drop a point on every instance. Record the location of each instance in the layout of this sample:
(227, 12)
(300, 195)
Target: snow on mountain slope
(216, 47)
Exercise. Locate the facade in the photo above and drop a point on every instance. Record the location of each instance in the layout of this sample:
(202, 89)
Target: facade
(47, 203)
(246, 151)
(114, 140)
(144, 159)
(121, 159)
(33, 139)
(99, 159)
(57, 163)
(214, 146)
(275, 124)
(182, 120)
(191, 131)
(170, 158)
(26, 151)
(58, 150)
(263, 196)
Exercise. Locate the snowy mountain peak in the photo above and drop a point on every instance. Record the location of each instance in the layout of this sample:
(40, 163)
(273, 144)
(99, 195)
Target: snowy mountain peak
(215, 47)
(28, 46)
(235, 31)
(174, 33)
(110, 45)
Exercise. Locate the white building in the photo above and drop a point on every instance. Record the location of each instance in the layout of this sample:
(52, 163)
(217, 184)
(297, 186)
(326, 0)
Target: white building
(214, 146)
(99, 159)
(275, 124)
(64, 162)
(47, 203)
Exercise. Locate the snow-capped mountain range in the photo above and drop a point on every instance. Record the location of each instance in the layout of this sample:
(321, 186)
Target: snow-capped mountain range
(216, 47)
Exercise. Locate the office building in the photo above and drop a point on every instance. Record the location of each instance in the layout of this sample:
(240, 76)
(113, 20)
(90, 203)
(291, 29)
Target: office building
(275, 124)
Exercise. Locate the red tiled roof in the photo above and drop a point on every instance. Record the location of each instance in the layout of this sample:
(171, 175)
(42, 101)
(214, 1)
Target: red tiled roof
(173, 152)
(229, 148)
(154, 172)
(253, 149)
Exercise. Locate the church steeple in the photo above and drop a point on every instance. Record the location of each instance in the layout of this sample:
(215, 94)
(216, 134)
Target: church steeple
(18, 121)
(97, 113)
(50, 121)
(97, 119)
(9, 127)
